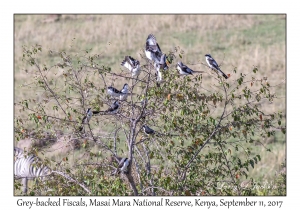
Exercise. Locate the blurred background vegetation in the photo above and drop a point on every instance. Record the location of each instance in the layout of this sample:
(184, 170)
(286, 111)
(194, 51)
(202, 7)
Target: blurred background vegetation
(235, 41)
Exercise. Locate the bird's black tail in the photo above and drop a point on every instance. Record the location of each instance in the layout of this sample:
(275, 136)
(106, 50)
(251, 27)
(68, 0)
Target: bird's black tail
(223, 74)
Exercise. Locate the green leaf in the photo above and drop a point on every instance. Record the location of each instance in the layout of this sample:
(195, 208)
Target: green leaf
(255, 69)
(258, 156)
(252, 163)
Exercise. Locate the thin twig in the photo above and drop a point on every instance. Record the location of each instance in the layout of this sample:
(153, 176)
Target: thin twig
(73, 180)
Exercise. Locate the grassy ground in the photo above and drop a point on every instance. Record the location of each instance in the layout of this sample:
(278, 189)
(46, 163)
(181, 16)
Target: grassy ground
(240, 41)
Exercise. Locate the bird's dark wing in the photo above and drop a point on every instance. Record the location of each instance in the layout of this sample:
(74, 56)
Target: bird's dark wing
(186, 69)
(130, 59)
(114, 89)
(213, 63)
(149, 130)
(158, 47)
(133, 61)
(127, 62)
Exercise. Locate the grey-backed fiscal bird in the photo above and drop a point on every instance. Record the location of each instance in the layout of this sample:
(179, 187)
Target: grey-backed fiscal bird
(132, 65)
(162, 64)
(86, 118)
(152, 49)
(154, 53)
(214, 65)
(185, 70)
(111, 110)
(119, 93)
(125, 92)
(148, 130)
(122, 165)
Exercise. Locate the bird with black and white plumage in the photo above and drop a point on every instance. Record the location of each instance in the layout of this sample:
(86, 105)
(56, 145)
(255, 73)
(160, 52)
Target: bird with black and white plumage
(185, 70)
(159, 67)
(148, 130)
(111, 110)
(162, 64)
(132, 65)
(214, 65)
(122, 165)
(88, 116)
(113, 91)
(152, 49)
(125, 92)
(154, 53)
(86, 119)
(119, 93)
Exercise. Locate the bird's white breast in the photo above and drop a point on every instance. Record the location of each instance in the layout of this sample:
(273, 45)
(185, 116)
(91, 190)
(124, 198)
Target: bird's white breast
(149, 55)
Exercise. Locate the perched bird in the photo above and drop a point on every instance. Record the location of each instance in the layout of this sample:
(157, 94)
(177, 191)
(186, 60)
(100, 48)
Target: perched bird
(113, 91)
(111, 110)
(147, 130)
(132, 65)
(86, 118)
(214, 65)
(124, 92)
(117, 93)
(154, 53)
(159, 66)
(162, 63)
(123, 165)
(184, 70)
(152, 48)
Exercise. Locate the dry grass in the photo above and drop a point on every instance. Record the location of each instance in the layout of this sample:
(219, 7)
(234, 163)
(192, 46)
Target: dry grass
(240, 41)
